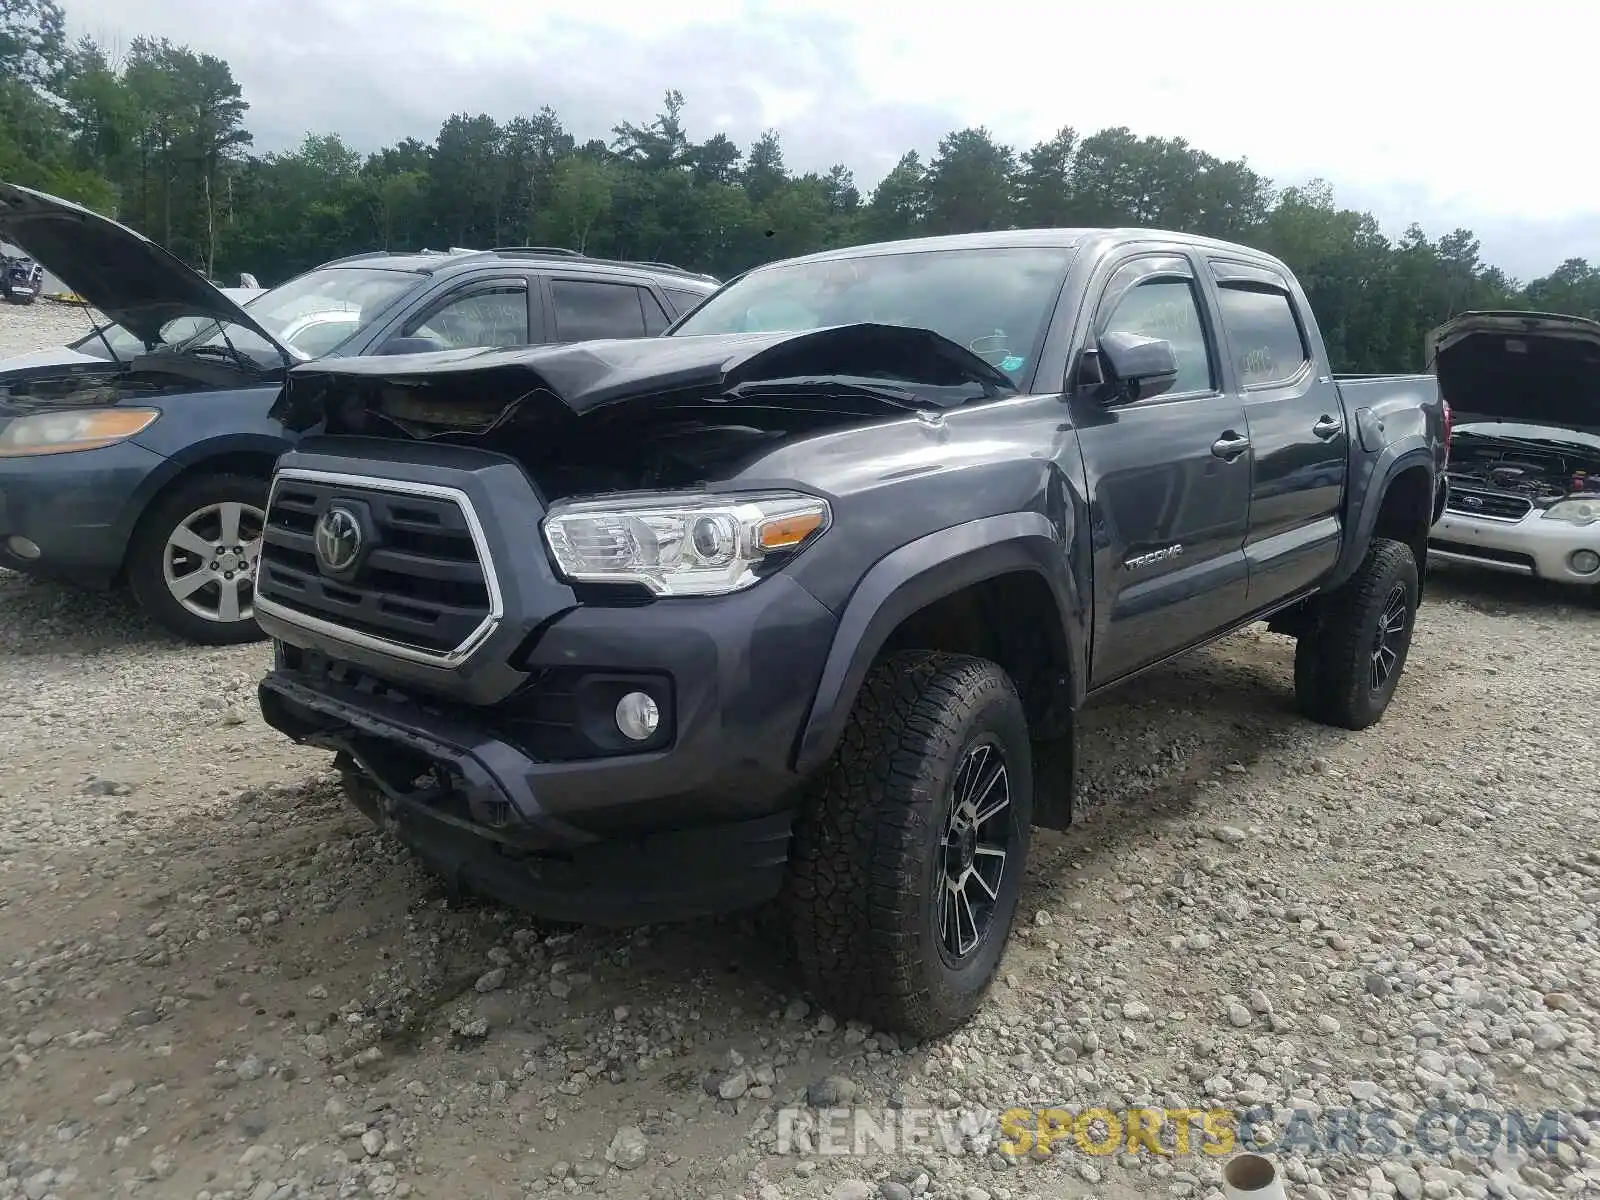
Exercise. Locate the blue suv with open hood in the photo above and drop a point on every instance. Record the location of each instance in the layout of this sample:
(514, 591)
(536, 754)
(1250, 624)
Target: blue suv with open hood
(149, 466)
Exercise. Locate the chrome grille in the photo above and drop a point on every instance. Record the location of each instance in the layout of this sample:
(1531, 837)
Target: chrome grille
(1475, 502)
(424, 587)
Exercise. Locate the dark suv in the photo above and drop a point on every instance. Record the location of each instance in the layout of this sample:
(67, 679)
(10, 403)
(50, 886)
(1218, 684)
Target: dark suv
(148, 463)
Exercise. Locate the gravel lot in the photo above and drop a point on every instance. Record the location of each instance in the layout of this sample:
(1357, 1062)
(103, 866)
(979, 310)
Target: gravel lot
(215, 981)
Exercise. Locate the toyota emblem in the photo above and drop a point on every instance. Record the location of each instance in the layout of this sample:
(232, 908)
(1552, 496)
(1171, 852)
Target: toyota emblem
(338, 540)
(1472, 501)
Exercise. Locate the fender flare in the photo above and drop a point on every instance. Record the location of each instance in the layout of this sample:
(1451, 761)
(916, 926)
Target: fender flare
(1372, 486)
(914, 576)
(194, 455)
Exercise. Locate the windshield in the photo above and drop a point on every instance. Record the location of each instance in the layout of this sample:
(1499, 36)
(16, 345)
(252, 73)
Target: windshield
(995, 302)
(312, 314)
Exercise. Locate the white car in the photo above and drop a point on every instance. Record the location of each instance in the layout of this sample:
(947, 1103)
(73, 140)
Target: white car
(1525, 454)
(92, 346)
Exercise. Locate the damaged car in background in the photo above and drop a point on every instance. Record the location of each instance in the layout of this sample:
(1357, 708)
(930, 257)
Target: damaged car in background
(1525, 465)
(140, 454)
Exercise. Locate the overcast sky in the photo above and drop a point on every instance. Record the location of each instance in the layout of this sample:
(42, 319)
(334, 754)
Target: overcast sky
(1406, 106)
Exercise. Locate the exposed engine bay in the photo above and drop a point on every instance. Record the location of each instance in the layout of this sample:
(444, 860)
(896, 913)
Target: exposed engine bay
(145, 378)
(678, 441)
(644, 413)
(1540, 470)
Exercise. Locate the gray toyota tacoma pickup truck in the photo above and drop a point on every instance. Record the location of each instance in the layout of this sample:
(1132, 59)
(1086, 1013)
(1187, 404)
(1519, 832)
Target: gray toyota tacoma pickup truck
(801, 600)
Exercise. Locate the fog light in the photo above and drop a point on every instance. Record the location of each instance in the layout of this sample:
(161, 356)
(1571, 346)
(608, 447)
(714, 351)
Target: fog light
(637, 716)
(1584, 562)
(23, 548)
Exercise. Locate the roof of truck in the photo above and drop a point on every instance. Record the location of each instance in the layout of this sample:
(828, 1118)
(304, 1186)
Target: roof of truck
(1064, 239)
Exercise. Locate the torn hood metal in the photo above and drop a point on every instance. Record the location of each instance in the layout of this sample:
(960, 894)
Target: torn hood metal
(133, 281)
(1509, 365)
(585, 376)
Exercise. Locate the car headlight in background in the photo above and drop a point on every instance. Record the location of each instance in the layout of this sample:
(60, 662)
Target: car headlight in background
(1578, 512)
(80, 429)
(681, 545)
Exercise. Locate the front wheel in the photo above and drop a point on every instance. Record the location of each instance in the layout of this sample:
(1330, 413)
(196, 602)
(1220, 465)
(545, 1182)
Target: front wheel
(910, 848)
(1347, 666)
(193, 560)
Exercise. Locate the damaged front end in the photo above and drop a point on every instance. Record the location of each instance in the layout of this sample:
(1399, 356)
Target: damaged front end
(443, 569)
(627, 415)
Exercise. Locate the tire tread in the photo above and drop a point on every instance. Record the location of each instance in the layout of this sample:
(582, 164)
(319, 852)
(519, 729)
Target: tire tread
(1331, 664)
(859, 855)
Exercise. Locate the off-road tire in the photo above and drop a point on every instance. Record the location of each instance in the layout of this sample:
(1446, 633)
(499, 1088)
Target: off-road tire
(148, 545)
(1333, 660)
(867, 869)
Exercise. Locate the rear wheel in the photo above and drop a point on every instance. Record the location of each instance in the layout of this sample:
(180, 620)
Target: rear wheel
(1346, 668)
(910, 850)
(192, 562)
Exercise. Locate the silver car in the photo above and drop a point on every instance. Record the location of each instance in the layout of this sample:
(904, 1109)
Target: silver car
(1525, 452)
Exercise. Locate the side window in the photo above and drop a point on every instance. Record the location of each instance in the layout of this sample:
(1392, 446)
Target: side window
(655, 317)
(492, 316)
(1265, 337)
(596, 310)
(1168, 308)
(684, 302)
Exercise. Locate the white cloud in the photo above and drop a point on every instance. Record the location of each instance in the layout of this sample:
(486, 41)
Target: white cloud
(1412, 108)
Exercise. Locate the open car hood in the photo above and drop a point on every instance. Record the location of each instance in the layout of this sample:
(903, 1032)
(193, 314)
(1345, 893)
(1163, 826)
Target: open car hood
(1526, 367)
(584, 376)
(134, 282)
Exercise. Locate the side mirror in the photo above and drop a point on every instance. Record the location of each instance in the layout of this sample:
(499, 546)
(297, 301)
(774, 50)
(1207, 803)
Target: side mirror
(411, 345)
(1139, 367)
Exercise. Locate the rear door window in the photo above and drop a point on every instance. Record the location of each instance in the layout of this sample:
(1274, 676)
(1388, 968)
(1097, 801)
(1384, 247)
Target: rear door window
(655, 317)
(684, 302)
(586, 309)
(1264, 335)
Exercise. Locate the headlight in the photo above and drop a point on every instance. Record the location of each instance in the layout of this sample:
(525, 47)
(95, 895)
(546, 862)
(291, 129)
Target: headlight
(80, 429)
(681, 545)
(1578, 512)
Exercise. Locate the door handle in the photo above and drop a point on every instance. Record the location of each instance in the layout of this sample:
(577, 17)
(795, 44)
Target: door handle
(1230, 445)
(1327, 427)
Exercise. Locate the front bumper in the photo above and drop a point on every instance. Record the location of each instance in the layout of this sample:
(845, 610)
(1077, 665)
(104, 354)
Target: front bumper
(526, 781)
(73, 508)
(1532, 546)
(469, 805)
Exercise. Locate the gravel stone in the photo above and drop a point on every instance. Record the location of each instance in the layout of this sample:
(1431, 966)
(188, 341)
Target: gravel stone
(628, 1149)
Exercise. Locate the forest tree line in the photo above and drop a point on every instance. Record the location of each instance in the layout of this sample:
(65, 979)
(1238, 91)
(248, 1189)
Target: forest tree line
(156, 136)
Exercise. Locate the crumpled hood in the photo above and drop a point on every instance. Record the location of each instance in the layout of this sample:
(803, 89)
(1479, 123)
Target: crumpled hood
(134, 282)
(584, 376)
(1528, 367)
